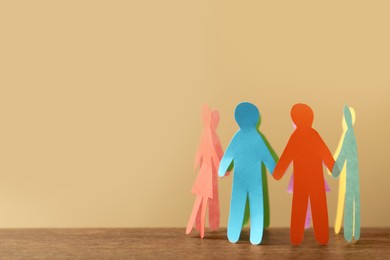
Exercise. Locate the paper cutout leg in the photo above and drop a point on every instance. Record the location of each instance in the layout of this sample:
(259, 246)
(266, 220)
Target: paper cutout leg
(356, 233)
(194, 212)
(340, 201)
(236, 215)
(348, 224)
(298, 215)
(265, 201)
(198, 219)
(320, 217)
(247, 213)
(257, 216)
(290, 189)
(203, 216)
(352, 218)
(214, 212)
(267, 217)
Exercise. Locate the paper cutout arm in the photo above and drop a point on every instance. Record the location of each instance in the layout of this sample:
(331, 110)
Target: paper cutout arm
(284, 161)
(269, 161)
(337, 152)
(227, 159)
(219, 150)
(340, 161)
(325, 154)
(218, 147)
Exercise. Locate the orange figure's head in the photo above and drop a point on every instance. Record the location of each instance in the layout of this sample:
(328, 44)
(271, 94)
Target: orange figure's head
(302, 115)
(206, 115)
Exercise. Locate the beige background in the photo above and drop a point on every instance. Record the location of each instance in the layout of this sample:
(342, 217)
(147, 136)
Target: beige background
(99, 101)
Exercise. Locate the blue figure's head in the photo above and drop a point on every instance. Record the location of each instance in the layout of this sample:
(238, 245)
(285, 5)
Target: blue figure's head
(349, 116)
(247, 115)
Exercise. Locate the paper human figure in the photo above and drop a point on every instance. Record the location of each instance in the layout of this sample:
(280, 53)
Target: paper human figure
(267, 210)
(247, 150)
(290, 189)
(348, 156)
(213, 209)
(206, 187)
(307, 151)
(342, 179)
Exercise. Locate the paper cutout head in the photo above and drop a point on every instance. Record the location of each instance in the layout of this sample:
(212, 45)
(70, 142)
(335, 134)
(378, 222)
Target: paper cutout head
(247, 115)
(349, 117)
(302, 115)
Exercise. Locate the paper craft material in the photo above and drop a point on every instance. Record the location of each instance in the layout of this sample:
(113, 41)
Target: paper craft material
(307, 151)
(267, 211)
(248, 151)
(290, 189)
(348, 156)
(206, 186)
(214, 211)
(342, 181)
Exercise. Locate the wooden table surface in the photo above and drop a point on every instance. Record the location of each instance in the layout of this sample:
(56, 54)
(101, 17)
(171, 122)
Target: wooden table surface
(172, 243)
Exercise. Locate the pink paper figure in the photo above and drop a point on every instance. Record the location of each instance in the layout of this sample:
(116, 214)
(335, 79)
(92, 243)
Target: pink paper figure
(290, 189)
(206, 186)
(214, 211)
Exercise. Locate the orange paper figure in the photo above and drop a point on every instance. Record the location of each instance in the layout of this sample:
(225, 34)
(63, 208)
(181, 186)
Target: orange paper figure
(307, 151)
(290, 189)
(206, 187)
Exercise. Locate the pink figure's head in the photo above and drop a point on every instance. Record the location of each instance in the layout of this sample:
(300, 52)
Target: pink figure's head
(302, 115)
(206, 115)
(214, 119)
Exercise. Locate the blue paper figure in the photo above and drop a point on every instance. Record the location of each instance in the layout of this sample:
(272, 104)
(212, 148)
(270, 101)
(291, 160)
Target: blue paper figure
(348, 154)
(248, 151)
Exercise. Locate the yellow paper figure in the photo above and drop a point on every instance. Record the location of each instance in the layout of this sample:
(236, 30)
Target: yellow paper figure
(342, 177)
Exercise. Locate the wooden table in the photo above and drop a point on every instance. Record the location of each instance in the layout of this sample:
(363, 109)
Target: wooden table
(172, 243)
